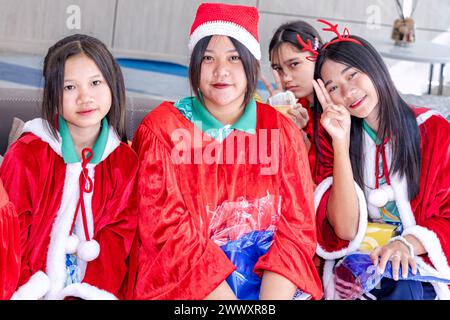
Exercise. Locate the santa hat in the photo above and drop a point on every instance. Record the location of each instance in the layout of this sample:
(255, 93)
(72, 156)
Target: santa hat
(238, 22)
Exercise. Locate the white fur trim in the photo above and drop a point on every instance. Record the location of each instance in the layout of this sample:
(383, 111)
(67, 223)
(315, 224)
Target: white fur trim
(399, 185)
(441, 289)
(432, 245)
(229, 29)
(85, 291)
(362, 223)
(36, 287)
(369, 148)
(328, 280)
(427, 115)
(39, 128)
(111, 144)
(56, 256)
(428, 238)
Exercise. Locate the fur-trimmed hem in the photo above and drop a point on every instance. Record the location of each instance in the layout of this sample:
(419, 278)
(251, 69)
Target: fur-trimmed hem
(329, 291)
(362, 223)
(85, 291)
(36, 287)
(432, 245)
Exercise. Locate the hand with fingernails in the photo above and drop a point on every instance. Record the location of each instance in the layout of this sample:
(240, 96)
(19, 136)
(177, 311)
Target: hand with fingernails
(298, 113)
(396, 252)
(335, 118)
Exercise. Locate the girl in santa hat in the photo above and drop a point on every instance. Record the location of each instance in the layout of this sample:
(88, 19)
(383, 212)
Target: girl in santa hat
(207, 186)
(380, 161)
(70, 177)
(293, 70)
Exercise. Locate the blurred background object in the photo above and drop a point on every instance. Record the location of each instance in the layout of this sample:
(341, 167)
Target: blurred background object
(151, 36)
(403, 31)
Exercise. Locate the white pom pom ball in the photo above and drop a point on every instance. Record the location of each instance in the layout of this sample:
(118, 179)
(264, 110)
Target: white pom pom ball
(88, 250)
(72, 244)
(390, 192)
(378, 198)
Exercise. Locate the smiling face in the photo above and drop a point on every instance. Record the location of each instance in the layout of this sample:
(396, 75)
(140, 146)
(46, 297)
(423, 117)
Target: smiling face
(223, 82)
(296, 72)
(351, 88)
(86, 95)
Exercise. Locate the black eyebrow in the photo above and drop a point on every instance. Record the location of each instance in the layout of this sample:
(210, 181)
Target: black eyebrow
(228, 51)
(342, 72)
(291, 60)
(345, 70)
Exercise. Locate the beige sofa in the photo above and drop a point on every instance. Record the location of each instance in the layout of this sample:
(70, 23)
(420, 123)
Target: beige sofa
(25, 105)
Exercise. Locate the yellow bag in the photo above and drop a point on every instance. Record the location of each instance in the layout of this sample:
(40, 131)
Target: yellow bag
(377, 235)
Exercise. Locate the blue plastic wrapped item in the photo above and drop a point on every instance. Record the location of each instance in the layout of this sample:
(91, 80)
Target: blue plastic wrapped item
(244, 253)
(355, 275)
(244, 230)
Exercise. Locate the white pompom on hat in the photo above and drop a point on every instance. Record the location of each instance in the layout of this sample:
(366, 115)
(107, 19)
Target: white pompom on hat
(236, 21)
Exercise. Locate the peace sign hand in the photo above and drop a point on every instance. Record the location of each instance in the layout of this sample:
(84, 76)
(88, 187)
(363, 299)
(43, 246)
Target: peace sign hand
(335, 118)
(278, 85)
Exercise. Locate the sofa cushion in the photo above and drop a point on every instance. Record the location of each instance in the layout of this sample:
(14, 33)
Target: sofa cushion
(25, 104)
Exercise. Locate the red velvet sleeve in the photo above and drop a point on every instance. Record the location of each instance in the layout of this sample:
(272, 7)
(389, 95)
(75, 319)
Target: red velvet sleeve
(176, 258)
(9, 247)
(291, 254)
(431, 206)
(326, 236)
(116, 230)
(20, 175)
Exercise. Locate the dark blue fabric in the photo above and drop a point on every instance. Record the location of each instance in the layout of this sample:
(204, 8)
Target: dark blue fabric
(244, 253)
(404, 290)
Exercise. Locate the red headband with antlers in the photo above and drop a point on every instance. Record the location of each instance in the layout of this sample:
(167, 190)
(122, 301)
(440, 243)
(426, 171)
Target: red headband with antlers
(345, 37)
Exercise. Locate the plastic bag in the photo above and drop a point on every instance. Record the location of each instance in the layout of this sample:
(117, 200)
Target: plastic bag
(244, 230)
(356, 275)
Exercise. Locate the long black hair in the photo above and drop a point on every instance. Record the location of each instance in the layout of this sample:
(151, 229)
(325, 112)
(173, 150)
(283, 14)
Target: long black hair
(287, 33)
(396, 118)
(53, 73)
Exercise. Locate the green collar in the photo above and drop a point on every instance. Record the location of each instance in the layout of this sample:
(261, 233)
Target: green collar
(371, 133)
(68, 149)
(246, 123)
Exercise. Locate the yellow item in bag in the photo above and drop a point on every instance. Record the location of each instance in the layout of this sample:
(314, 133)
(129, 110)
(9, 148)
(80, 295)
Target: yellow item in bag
(377, 235)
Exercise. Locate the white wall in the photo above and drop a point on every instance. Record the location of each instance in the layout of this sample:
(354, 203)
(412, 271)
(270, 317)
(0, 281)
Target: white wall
(158, 29)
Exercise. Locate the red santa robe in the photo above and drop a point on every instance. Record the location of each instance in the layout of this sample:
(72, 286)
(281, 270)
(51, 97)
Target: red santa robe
(45, 191)
(427, 216)
(9, 246)
(174, 257)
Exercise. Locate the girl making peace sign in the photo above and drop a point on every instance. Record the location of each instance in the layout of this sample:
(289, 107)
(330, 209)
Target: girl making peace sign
(380, 160)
